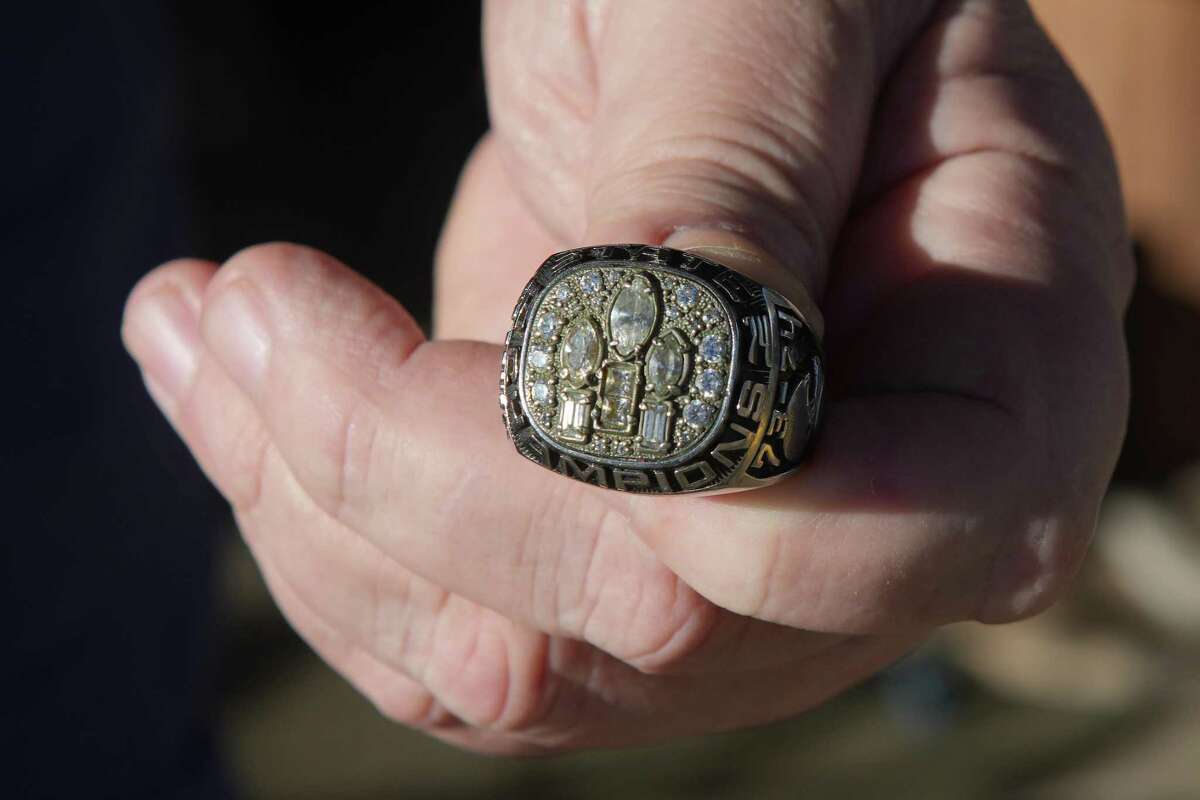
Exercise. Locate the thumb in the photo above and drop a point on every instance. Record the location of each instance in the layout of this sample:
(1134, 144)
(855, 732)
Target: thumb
(695, 123)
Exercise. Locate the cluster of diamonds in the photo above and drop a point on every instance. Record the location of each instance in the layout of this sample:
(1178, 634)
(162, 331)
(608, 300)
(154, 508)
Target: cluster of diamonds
(558, 341)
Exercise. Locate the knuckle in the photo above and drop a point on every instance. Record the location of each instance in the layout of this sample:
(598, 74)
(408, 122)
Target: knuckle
(403, 704)
(1034, 570)
(266, 259)
(666, 647)
(1053, 120)
(319, 303)
(411, 705)
(388, 622)
(611, 592)
(381, 341)
(493, 683)
(356, 440)
(307, 288)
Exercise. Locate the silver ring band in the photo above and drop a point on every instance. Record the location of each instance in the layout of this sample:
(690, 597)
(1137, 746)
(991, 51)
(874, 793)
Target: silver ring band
(658, 371)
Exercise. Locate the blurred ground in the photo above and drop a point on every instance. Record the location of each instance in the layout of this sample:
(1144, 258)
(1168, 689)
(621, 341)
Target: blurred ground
(305, 125)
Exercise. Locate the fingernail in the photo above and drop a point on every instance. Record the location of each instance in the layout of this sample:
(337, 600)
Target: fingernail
(707, 238)
(237, 333)
(163, 335)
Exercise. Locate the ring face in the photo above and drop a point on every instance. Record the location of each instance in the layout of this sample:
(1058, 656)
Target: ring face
(651, 370)
(626, 363)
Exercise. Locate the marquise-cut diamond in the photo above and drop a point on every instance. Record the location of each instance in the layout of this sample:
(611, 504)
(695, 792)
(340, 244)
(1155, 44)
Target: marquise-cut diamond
(664, 364)
(633, 314)
(581, 347)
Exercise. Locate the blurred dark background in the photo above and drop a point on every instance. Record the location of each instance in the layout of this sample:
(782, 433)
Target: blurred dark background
(340, 127)
(146, 659)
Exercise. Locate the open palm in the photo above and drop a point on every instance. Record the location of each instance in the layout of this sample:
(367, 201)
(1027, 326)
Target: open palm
(929, 171)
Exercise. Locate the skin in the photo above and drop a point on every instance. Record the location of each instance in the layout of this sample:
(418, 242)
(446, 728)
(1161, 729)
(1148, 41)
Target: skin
(929, 173)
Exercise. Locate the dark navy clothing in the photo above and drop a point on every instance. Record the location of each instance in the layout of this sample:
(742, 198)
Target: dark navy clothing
(109, 527)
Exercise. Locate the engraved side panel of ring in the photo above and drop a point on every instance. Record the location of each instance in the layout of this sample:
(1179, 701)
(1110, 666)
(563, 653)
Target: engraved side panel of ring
(650, 322)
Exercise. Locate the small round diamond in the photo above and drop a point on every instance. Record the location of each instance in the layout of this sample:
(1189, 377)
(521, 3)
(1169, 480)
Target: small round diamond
(541, 392)
(686, 295)
(697, 413)
(591, 282)
(711, 316)
(540, 358)
(711, 382)
(562, 293)
(672, 312)
(547, 324)
(712, 348)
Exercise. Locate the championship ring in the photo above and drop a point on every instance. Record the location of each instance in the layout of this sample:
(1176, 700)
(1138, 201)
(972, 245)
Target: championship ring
(652, 370)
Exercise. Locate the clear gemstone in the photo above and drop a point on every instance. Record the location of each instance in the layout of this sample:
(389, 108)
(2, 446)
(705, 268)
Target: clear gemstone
(626, 377)
(711, 382)
(617, 393)
(632, 317)
(541, 392)
(547, 324)
(539, 358)
(697, 413)
(664, 364)
(581, 347)
(712, 348)
(686, 295)
(672, 312)
(575, 419)
(591, 282)
(711, 315)
(563, 293)
(654, 426)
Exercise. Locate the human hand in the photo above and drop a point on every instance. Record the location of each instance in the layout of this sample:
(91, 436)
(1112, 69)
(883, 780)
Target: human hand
(929, 170)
